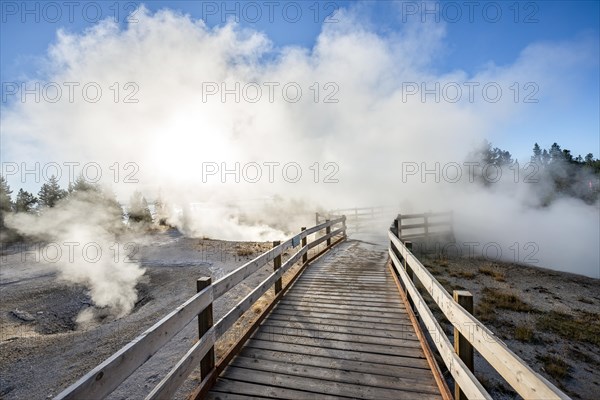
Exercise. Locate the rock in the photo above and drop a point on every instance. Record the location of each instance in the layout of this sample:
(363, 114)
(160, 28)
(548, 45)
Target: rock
(23, 315)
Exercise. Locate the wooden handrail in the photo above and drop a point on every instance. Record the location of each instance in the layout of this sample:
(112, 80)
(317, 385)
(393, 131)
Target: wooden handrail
(513, 369)
(107, 376)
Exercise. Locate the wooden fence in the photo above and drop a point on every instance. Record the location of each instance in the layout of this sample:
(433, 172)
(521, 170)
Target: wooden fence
(469, 333)
(359, 220)
(106, 377)
(410, 226)
(426, 225)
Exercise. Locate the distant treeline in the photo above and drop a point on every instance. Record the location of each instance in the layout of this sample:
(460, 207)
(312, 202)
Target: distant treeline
(554, 172)
(51, 195)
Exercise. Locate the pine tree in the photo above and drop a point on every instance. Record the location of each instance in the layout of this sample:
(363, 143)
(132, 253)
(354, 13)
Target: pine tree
(51, 193)
(5, 192)
(537, 153)
(81, 185)
(138, 209)
(25, 201)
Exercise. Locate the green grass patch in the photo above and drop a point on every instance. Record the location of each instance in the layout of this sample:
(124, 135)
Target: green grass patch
(495, 299)
(583, 327)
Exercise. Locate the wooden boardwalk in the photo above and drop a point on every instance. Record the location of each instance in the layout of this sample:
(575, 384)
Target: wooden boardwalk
(341, 331)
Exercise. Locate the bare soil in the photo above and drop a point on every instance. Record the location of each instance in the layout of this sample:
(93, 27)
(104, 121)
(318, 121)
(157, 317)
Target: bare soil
(43, 349)
(548, 318)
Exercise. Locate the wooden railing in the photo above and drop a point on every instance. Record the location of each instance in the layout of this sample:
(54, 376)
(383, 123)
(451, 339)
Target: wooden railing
(426, 225)
(106, 377)
(359, 220)
(468, 332)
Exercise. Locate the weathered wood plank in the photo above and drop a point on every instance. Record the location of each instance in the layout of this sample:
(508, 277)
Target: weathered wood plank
(344, 317)
(343, 305)
(337, 375)
(405, 328)
(347, 346)
(331, 334)
(371, 297)
(264, 391)
(103, 379)
(333, 309)
(325, 361)
(350, 300)
(231, 396)
(320, 386)
(340, 354)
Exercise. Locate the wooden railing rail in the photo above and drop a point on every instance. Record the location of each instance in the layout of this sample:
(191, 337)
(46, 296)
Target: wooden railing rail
(106, 377)
(514, 370)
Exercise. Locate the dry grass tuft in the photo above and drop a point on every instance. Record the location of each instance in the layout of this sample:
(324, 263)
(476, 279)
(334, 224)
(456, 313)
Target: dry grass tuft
(493, 272)
(463, 274)
(523, 333)
(555, 366)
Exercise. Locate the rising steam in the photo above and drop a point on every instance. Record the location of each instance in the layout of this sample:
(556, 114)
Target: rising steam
(79, 240)
(174, 130)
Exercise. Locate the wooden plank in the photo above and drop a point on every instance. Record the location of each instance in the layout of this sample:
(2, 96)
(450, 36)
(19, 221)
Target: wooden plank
(338, 375)
(517, 373)
(345, 310)
(320, 386)
(104, 378)
(326, 326)
(344, 317)
(169, 384)
(315, 332)
(341, 305)
(348, 281)
(340, 345)
(389, 329)
(227, 386)
(325, 361)
(372, 296)
(351, 300)
(388, 359)
(342, 287)
(232, 396)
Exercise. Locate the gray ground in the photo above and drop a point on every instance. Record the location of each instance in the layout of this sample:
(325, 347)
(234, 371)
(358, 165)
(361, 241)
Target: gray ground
(43, 350)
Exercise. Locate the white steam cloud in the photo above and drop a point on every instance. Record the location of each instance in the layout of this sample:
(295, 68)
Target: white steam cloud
(176, 129)
(78, 237)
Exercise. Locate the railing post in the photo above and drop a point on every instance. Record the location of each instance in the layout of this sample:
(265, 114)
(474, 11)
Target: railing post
(462, 346)
(344, 227)
(276, 266)
(327, 232)
(409, 272)
(304, 241)
(399, 219)
(205, 322)
(316, 218)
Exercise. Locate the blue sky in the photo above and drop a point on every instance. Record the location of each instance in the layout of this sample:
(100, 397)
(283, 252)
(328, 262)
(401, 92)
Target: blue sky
(469, 44)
